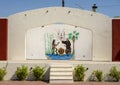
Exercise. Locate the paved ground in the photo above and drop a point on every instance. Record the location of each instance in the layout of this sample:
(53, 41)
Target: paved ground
(44, 83)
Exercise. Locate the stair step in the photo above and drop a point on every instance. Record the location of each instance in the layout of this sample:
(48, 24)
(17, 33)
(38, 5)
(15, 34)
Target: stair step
(61, 69)
(61, 81)
(61, 73)
(61, 77)
(63, 66)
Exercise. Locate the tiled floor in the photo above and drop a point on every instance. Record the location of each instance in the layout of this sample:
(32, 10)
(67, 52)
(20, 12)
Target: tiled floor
(44, 83)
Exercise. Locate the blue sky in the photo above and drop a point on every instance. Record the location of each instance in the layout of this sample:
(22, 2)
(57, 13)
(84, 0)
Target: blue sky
(110, 8)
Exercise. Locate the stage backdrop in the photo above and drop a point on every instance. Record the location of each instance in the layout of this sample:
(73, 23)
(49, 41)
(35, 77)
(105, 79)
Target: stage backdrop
(59, 42)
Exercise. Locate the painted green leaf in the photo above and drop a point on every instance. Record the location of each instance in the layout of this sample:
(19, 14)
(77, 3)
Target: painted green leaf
(74, 32)
(70, 35)
(77, 33)
(76, 38)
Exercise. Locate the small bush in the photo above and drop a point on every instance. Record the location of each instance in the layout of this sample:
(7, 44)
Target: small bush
(114, 74)
(2, 73)
(98, 75)
(22, 72)
(38, 73)
(79, 71)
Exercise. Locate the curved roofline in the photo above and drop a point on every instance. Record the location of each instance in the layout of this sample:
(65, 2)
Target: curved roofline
(57, 8)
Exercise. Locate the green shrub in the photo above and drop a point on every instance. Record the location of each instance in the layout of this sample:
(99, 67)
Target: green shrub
(38, 73)
(22, 72)
(79, 72)
(98, 75)
(114, 74)
(2, 73)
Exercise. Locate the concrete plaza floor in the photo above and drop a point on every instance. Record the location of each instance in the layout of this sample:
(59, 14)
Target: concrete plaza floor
(44, 83)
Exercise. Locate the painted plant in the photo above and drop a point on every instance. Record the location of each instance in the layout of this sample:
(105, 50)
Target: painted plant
(73, 36)
(48, 42)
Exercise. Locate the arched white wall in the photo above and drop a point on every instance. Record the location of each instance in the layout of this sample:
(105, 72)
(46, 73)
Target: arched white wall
(99, 24)
(39, 42)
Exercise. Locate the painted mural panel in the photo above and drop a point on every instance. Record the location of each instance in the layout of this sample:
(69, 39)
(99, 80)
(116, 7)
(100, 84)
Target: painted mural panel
(59, 42)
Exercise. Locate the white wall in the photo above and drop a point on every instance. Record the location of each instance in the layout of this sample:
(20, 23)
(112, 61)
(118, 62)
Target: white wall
(12, 67)
(99, 24)
(36, 41)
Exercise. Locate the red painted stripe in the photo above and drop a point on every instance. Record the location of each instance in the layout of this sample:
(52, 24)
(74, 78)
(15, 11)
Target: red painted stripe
(116, 39)
(3, 39)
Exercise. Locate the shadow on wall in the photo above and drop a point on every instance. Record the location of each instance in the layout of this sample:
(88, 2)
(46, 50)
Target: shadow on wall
(32, 78)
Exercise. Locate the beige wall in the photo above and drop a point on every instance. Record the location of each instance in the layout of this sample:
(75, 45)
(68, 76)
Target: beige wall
(99, 24)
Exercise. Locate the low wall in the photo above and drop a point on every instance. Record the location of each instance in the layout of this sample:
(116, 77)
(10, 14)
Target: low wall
(104, 66)
(12, 67)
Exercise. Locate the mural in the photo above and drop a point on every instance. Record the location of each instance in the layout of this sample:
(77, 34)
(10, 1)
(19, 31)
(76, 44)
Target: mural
(58, 46)
(59, 42)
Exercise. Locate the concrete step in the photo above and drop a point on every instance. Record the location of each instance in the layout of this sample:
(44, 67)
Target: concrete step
(61, 69)
(61, 65)
(60, 73)
(61, 77)
(61, 81)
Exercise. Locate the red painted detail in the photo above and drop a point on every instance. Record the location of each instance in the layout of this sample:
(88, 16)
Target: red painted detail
(116, 39)
(3, 38)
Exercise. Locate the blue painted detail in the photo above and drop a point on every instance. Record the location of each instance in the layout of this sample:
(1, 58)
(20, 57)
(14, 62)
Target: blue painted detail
(60, 57)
